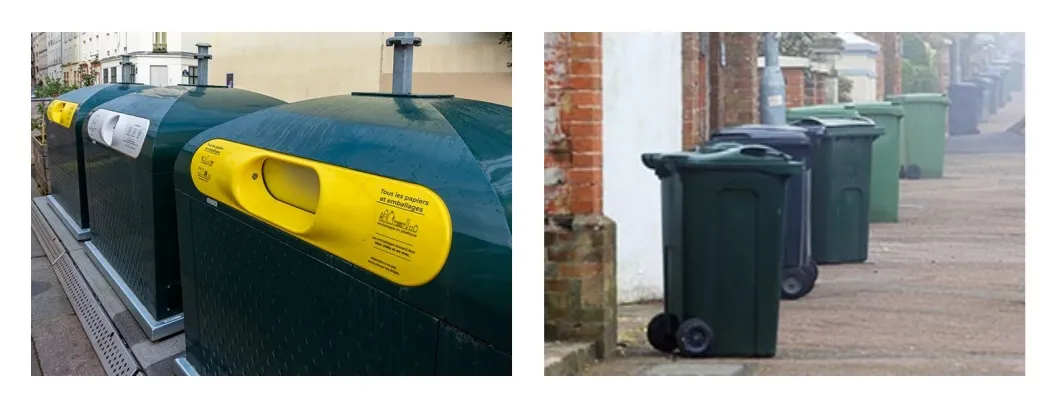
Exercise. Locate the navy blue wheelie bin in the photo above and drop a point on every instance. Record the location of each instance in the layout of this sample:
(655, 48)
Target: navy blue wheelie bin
(799, 269)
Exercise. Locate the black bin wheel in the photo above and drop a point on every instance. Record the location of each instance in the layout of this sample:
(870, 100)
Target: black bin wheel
(901, 173)
(694, 337)
(912, 172)
(813, 271)
(797, 282)
(662, 332)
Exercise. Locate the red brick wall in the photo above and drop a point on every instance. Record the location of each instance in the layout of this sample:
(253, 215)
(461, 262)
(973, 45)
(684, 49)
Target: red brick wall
(887, 63)
(741, 81)
(794, 78)
(695, 91)
(573, 124)
(892, 51)
(580, 298)
(715, 72)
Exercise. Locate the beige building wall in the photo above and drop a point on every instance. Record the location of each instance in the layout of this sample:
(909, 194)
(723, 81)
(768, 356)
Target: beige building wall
(468, 65)
(300, 66)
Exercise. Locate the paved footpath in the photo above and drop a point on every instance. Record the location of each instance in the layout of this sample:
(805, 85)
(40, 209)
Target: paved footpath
(59, 344)
(943, 291)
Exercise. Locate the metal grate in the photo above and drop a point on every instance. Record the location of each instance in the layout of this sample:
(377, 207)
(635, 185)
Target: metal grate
(116, 358)
(47, 239)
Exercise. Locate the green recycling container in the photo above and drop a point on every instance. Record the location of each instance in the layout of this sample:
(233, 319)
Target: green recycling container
(723, 213)
(885, 159)
(66, 152)
(841, 166)
(363, 234)
(822, 111)
(134, 141)
(926, 115)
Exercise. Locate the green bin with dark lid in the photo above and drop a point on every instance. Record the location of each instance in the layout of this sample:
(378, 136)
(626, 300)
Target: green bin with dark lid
(723, 213)
(822, 111)
(885, 158)
(132, 144)
(841, 166)
(363, 234)
(66, 152)
(926, 115)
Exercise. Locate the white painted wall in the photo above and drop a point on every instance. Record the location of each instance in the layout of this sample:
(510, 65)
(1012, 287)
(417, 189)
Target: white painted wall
(641, 113)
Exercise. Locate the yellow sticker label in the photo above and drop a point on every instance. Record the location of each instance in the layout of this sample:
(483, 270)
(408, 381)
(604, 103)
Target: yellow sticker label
(398, 230)
(62, 112)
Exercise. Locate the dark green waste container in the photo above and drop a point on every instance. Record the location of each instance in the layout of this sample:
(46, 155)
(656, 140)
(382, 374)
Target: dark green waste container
(926, 115)
(133, 144)
(723, 213)
(823, 111)
(364, 234)
(885, 159)
(841, 166)
(66, 153)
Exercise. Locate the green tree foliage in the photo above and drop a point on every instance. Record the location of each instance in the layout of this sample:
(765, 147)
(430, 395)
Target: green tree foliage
(53, 87)
(505, 39)
(918, 71)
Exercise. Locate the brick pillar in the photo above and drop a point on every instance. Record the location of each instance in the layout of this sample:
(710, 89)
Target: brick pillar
(741, 83)
(891, 50)
(694, 69)
(942, 63)
(880, 62)
(580, 298)
(716, 78)
(794, 78)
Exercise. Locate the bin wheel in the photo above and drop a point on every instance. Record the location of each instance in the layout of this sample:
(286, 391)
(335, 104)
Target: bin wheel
(661, 332)
(694, 337)
(912, 172)
(797, 282)
(901, 173)
(813, 271)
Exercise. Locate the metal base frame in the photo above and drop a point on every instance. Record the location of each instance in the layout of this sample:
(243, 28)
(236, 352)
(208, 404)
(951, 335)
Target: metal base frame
(76, 230)
(155, 329)
(184, 367)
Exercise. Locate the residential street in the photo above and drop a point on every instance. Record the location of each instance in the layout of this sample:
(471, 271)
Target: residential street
(943, 292)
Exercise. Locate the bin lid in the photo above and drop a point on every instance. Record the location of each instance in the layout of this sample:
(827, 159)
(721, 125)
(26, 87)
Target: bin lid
(842, 127)
(880, 108)
(159, 120)
(726, 157)
(921, 98)
(771, 135)
(833, 110)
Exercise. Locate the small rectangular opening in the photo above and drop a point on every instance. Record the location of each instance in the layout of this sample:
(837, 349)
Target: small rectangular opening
(292, 184)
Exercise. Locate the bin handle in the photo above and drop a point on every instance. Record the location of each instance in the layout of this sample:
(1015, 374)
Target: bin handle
(757, 151)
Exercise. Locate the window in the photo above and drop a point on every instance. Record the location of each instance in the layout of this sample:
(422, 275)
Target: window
(193, 75)
(106, 78)
(160, 42)
(114, 74)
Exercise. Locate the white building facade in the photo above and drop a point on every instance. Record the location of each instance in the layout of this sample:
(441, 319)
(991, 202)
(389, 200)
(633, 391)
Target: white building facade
(55, 55)
(71, 56)
(642, 112)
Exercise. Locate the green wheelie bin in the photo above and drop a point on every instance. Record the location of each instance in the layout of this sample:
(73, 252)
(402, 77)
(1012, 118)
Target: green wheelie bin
(359, 234)
(924, 132)
(885, 159)
(723, 213)
(841, 166)
(822, 111)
